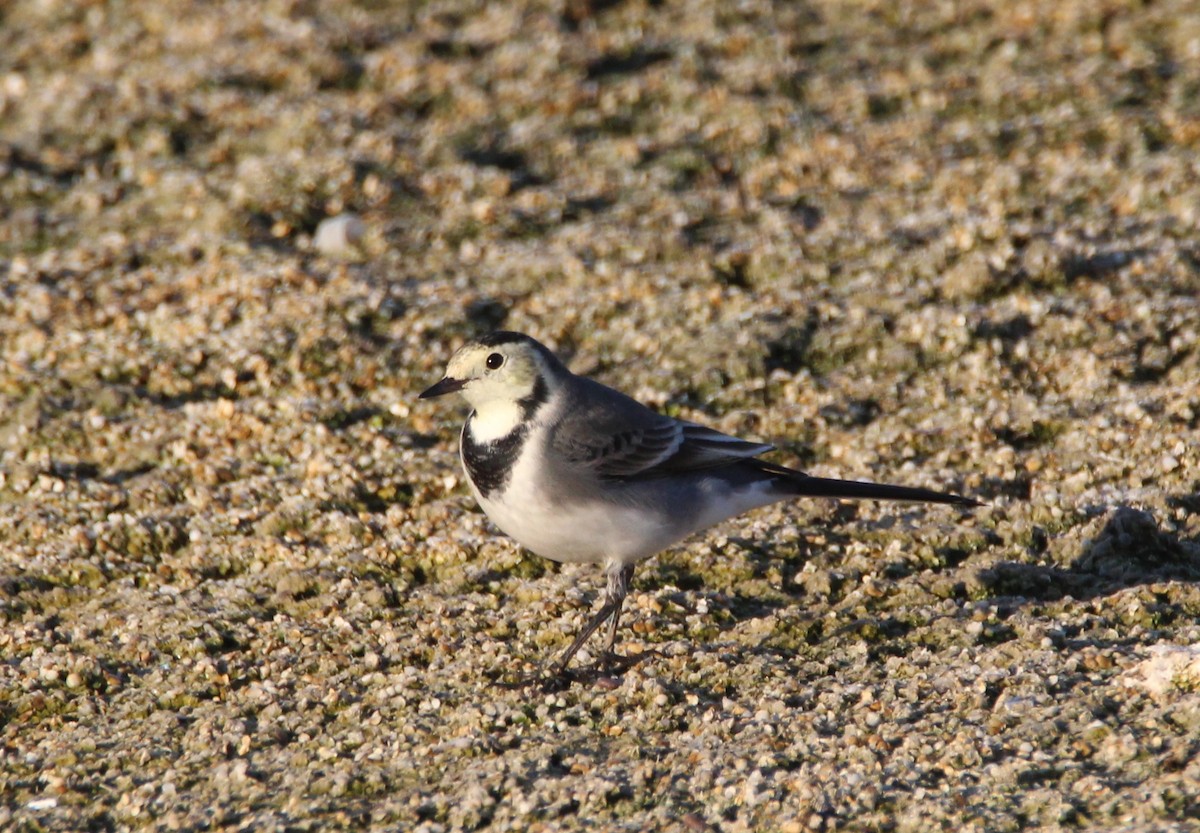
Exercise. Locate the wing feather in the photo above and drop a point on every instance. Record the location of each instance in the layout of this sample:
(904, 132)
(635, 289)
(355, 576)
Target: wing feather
(618, 437)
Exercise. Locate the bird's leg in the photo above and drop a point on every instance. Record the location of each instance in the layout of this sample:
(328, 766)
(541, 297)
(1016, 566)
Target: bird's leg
(614, 598)
(618, 589)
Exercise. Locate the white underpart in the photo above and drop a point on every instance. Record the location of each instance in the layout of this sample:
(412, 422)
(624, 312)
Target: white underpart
(720, 508)
(528, 512)
(600, 532)
(495, 420)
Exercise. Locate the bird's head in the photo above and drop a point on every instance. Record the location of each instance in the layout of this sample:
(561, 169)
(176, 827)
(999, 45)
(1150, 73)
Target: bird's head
(501, 369)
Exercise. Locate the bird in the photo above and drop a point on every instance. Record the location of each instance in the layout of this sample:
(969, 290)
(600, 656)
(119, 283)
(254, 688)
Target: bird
(578, 472)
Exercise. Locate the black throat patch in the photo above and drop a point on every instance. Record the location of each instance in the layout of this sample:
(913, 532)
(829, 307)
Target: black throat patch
(490, 464)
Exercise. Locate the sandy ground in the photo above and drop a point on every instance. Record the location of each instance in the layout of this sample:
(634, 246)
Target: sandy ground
(243, 586)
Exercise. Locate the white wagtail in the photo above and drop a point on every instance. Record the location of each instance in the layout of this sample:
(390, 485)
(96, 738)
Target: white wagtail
(578, 472)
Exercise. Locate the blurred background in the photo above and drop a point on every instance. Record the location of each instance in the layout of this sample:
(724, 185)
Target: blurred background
(947, 244)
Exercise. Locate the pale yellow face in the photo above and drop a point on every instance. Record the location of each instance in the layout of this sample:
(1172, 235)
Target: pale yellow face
(502, 373)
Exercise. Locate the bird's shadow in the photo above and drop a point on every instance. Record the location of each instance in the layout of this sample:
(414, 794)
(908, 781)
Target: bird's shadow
(1130, 550)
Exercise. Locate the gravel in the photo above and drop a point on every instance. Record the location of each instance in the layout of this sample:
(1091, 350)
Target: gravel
(242, 584)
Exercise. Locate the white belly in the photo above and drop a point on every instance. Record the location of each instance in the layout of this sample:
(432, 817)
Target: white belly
(529, 512)
(581, 533)
(540, 518)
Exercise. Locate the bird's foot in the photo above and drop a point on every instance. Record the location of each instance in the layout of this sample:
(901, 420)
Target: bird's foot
(614, 662)
(546, 680)
(603, 673)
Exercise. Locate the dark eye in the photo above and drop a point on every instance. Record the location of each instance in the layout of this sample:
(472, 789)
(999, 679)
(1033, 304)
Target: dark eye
(494, 361)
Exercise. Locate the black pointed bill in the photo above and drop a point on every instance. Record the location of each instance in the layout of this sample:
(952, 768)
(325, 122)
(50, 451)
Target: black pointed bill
(445, 386)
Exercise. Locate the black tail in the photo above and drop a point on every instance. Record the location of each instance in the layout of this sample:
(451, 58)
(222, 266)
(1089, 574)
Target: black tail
(802, 485)
(828, 487)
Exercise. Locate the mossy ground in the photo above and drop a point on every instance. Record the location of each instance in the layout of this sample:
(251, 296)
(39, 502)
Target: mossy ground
(953, 245)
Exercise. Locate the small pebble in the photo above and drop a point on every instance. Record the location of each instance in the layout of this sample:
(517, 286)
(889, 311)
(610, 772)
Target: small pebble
(339, 236)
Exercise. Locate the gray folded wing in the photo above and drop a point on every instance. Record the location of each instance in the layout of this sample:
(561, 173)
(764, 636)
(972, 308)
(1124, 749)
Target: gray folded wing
(619, 438)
